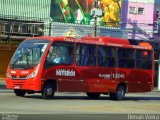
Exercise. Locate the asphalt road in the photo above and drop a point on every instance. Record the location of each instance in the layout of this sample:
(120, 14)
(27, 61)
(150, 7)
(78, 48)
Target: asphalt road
(78, 104)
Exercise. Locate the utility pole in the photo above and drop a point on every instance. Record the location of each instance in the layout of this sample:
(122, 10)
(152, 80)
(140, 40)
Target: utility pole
(50, 27)
(95, 26)
(96, 12)
(159, 73)
(158, 83)
(158, 61)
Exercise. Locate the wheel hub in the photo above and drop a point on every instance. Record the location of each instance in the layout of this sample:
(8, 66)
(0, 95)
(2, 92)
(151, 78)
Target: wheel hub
(49, 91)
(120, 92)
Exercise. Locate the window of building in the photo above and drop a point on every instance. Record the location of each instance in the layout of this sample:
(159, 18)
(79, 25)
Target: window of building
(132, 10)
(141, 11)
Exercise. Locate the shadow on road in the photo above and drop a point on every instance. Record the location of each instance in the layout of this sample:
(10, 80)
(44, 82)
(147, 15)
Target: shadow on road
(141, 98)
(128, 98)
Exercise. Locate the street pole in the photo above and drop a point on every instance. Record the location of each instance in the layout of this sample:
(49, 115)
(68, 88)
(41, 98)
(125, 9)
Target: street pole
(95, 26)
(50, 27)
(96, 12)
(159, 73)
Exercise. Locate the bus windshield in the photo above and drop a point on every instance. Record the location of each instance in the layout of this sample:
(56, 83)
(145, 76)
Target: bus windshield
(28, 54)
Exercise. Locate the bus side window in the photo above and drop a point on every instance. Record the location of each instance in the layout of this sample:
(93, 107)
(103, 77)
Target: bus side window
(102, 60)
(111, 57)
(70, 54)
(85, 55)
(144, 59)
(79, 54)
(138, 59)
(121, 57)
(149, 60)
(126, 58)
(106, 56)
(130, 58)
(60, 53)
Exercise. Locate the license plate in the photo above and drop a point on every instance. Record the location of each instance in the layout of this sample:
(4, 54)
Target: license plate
(17, 87)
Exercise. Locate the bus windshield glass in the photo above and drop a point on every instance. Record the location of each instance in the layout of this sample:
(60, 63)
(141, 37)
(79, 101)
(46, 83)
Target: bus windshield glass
(28, 54)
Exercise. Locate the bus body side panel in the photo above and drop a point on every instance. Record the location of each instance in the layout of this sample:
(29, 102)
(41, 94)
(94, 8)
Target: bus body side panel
(139, 81)
(106, 79)
(67, 77)
(99, 79)
(95, 79)
(79, 79)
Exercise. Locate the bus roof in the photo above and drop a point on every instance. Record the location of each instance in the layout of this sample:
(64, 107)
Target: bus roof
(110, 41)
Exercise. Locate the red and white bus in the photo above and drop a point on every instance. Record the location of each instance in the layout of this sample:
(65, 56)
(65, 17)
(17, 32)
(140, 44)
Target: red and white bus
(101, 65)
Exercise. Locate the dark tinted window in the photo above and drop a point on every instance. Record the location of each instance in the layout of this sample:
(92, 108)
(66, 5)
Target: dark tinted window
(106, 56)
(126, 58)
(144, 59)
(85, 55)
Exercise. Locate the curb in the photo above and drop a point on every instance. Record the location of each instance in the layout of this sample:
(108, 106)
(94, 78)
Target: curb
(156, 90)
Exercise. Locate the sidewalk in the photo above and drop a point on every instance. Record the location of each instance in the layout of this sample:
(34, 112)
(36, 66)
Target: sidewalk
(156, 90)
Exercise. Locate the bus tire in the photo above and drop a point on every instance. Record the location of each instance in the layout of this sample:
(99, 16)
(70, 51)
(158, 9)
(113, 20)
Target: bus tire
(20, 92)
(48, 91)
(93, 95)
(120, 93)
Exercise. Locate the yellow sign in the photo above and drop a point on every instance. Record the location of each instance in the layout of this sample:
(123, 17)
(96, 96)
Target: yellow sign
(112, 11)
(71, 33)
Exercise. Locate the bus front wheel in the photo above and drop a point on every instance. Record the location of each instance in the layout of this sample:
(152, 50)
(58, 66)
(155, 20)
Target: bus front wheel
(20, 92)
(120, 93)
(48, 91)
(93, 95)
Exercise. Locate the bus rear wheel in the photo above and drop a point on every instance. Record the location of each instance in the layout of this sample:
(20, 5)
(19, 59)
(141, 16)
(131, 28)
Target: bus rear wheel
(20, 92)
(120, 93)
(93, 95)
(48, 91)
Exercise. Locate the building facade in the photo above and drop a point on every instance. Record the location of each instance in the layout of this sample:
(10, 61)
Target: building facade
(157, 19)
(138, 18)
(25, 9)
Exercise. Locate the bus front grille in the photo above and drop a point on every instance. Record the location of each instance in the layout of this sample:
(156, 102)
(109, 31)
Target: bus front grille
(21, 77)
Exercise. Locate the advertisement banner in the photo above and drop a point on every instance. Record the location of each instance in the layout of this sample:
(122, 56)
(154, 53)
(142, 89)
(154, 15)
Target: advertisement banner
(74, 30)
(78, 12)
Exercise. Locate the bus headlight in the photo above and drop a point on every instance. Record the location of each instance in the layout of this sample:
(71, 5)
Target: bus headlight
(8, 75)
(33, 74)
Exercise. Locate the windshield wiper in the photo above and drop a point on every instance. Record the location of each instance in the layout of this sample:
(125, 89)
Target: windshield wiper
(22, 55)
